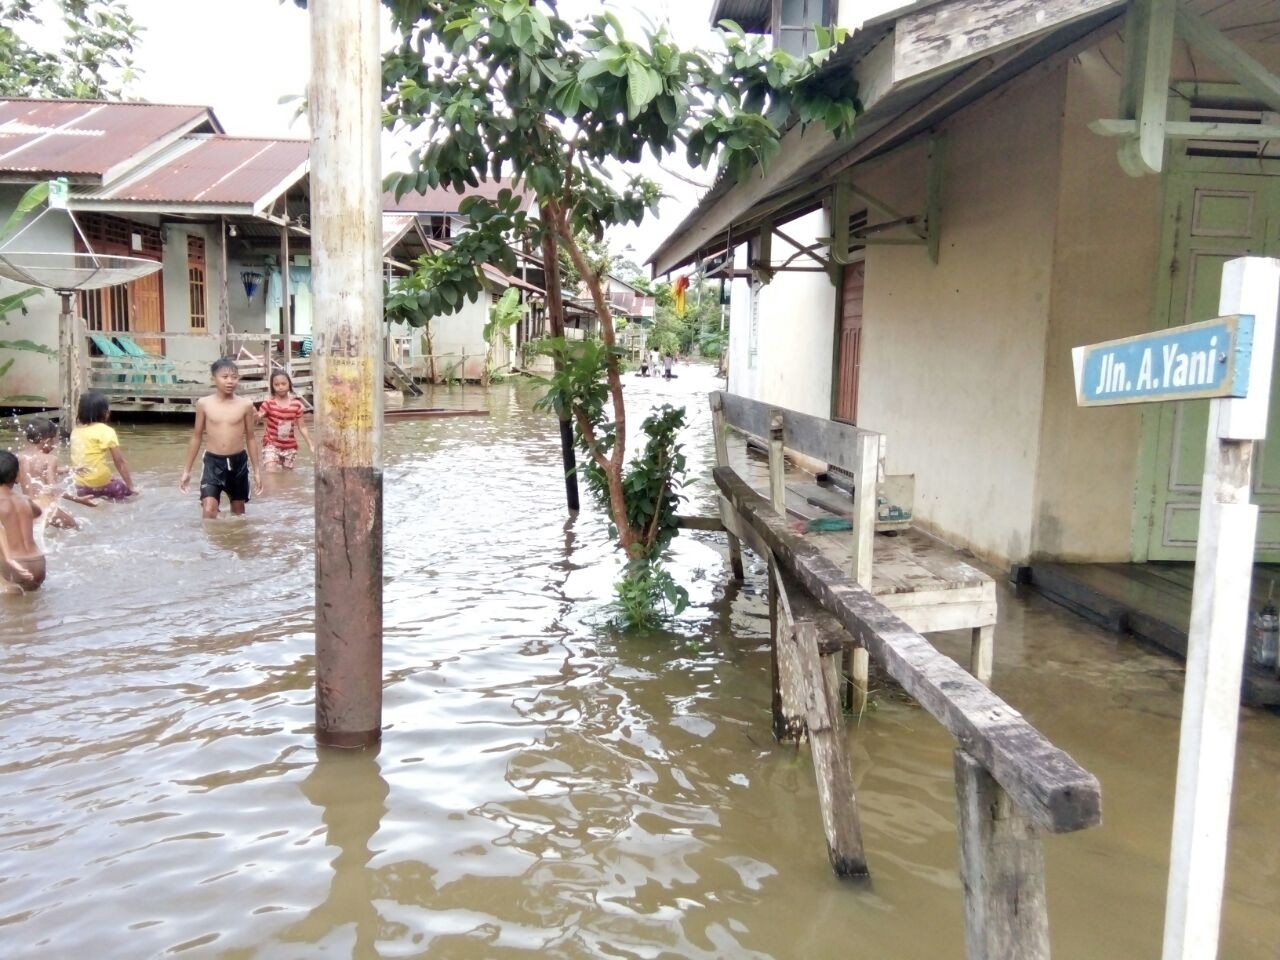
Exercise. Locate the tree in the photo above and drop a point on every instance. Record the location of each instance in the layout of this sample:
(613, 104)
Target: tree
(94, 61)
(508, 88)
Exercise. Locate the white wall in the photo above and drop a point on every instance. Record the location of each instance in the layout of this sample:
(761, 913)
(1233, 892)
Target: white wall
(461, 333)
(954, 353)
(190, 353)
(793, 355)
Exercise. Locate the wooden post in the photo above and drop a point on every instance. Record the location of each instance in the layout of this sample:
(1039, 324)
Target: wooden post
(1216, 637)
(866, 479)
(806, 700)
(982, 653)
(1001, 870)
(69, 373)
(286, 283)
(555, 318)
(860, 676)
(777, 466)
(719, 427)
(346, 191)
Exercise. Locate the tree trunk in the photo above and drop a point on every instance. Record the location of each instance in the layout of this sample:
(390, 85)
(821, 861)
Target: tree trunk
(555, 316)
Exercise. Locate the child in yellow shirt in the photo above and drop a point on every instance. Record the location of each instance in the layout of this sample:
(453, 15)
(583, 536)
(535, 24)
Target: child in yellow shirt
(91, 442)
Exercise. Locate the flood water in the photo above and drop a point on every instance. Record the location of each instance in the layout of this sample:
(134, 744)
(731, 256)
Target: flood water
(546, 787)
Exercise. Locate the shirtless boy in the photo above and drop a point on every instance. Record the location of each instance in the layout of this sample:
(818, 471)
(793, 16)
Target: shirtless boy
(22, 567)
(225, 424)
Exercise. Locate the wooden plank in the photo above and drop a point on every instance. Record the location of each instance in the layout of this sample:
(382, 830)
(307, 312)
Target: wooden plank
(868, 456)
(807, 705)
(822, 439)
(718, 429)
(1050, 786)
(1148, 57)
(1185, 130)
(777, 465)
(945, 35)
(836, 797)
(699, 523)
(1001, 869)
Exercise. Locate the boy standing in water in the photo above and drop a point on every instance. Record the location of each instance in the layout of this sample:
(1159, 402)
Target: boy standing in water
(22, 567)
(224, 423)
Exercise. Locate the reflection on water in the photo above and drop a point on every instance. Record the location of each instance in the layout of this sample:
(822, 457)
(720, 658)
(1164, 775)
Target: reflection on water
(545, 787)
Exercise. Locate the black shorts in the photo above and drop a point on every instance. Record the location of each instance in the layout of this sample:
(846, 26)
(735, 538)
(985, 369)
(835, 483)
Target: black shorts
(223, 473)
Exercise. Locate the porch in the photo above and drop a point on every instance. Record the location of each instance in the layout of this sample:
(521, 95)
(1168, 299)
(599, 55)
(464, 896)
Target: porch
(1151, 601)
(167, 372)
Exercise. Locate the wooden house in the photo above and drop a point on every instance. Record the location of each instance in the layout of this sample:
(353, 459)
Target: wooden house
(1025, 177)
(165, 183)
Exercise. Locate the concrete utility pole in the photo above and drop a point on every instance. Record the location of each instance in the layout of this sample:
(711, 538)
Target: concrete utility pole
(345, 96)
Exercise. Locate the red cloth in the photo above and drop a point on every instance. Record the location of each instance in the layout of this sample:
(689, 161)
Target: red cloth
(275, 414)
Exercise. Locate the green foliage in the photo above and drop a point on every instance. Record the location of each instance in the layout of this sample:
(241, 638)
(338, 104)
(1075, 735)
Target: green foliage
(504, 315)
(646, 594)
(700, 323)
(28, 202)
(94, 61)
(517, 91)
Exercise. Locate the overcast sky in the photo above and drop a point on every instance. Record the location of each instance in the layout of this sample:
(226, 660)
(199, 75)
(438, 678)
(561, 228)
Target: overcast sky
(242, 56)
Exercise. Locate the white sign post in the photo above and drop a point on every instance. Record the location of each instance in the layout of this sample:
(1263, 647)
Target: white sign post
(1219, 621)
(1219, 600)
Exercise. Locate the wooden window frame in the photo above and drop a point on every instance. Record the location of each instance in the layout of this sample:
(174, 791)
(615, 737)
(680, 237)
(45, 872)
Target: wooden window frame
(197, 283)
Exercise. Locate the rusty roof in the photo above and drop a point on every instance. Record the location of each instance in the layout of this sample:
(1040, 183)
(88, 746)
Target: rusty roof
(89, 141)
(210, 172)
(444, 200)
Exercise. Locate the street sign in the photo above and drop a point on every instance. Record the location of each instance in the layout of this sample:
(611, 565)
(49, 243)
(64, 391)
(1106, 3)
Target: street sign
(1194, 361)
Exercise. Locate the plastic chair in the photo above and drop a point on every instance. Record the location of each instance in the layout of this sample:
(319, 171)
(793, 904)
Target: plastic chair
(118, 360)
(160, 368)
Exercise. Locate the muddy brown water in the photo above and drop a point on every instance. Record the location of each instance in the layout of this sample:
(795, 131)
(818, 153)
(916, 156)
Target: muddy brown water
(546, 787)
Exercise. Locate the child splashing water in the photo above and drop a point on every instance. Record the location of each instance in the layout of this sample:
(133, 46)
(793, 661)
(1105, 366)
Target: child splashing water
(282, 412)
(40, 474)
(91, 441)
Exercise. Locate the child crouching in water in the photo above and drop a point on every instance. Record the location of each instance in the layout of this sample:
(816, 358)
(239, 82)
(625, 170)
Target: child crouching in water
(40, 474)
(91, 441)
(282, 413)
(22, 565)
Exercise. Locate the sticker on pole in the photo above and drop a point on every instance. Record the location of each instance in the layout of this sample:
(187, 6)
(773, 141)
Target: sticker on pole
(1198, 360)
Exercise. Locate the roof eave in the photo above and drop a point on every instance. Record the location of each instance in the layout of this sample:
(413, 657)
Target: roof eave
(882, 70)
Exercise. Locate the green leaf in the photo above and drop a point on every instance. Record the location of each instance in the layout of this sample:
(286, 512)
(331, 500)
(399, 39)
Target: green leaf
(30, 200)
(640, 89)
(28, 346)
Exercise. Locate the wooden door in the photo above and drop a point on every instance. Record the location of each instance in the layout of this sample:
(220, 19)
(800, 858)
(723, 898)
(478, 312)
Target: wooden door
(146, 310)
(1216, 217)
(849, 346)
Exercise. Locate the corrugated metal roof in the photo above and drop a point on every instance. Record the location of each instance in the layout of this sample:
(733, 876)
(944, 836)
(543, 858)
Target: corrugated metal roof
(444, 200)
(208, 171)
(395, 226)
(491, 271)
(753, 16)
(89, 141)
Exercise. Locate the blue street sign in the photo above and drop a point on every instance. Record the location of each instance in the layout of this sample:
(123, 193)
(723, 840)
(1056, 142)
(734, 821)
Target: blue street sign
(1208, 359)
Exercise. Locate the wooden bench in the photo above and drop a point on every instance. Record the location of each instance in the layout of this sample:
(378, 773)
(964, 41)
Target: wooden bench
(920, 579)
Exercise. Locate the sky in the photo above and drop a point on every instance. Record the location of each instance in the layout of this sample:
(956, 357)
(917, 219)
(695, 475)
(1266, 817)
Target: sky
(249, 54)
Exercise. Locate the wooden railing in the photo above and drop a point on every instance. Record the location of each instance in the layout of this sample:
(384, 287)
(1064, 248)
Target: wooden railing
(1011, 782)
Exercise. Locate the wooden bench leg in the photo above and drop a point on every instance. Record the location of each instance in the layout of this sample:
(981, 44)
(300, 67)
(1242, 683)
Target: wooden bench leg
(735, 557)
(831, 767)
(860, 675)
(1001, 870)
(982, 653)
